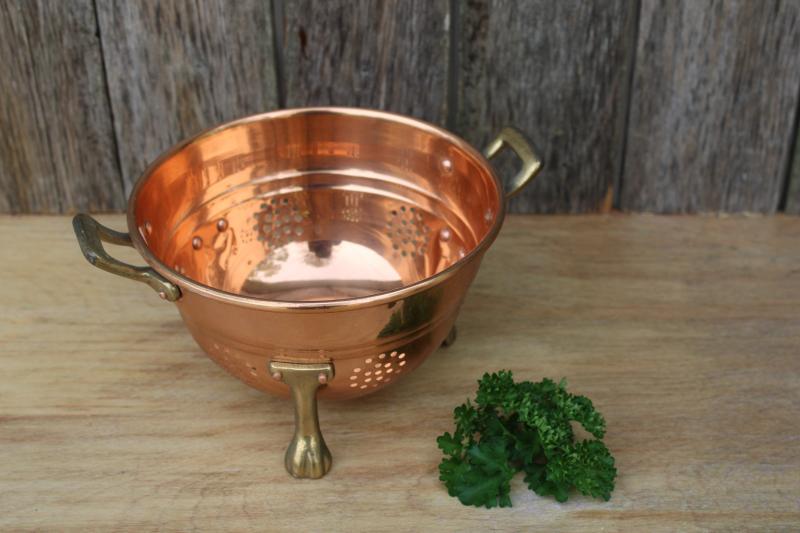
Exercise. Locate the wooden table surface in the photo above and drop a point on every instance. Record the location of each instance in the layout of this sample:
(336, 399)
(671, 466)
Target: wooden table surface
(684, 331)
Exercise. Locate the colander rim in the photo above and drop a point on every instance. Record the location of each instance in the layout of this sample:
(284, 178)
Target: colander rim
(379, 298)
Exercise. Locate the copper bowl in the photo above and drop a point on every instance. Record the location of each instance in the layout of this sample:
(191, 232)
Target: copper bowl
(317, 250)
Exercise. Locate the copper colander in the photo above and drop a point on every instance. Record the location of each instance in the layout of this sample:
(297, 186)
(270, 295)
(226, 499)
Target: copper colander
(318, 250)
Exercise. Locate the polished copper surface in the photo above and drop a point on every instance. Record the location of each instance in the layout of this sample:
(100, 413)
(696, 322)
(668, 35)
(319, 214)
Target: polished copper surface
(315, 205)
(319, 235)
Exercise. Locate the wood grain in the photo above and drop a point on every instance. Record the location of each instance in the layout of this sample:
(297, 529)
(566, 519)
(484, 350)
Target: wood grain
(793, 187)
(178, 67)
(683, 331)
(57, 149)
(559, 72)
(714, 96)
(390, 55)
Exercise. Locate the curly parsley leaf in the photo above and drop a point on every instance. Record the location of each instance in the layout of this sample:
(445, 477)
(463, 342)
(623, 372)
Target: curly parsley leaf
(481, 477)
(588, 466)
(527, 427)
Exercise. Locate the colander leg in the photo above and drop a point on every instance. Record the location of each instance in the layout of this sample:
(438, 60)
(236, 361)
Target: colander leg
(307, 455)
(450, 339)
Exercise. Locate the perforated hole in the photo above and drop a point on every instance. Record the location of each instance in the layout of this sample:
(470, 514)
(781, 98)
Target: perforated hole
(406, 240)
(278, 220)
(379, 368)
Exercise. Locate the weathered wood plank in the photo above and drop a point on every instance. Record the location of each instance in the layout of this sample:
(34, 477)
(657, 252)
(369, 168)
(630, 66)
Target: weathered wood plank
(389, 55)
(684, 332)
(712, 106)
(793, 192)
(178, 67)
(57, 150)
(559, 72)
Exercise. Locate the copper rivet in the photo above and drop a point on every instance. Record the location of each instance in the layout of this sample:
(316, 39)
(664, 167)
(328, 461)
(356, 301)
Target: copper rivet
(197, 242)
(162, 295)
(222, 224)
(323, 379)
(277, 376)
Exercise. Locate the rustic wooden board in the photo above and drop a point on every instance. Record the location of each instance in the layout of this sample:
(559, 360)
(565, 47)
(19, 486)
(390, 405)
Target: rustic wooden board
(390, 55)
(57, 150)
(713, 102)
(793, 187)
(178, 67)
(684, 331)
(559, 72)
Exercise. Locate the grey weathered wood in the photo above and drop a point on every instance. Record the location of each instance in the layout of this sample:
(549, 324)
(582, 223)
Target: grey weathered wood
(559, 72)
(178, 67)
(712, 106)
(793, 193)
(57, 149)
(389, 55)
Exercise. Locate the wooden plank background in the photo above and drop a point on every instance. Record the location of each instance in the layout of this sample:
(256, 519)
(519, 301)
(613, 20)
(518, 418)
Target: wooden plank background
(57, 147)
(178, 67)
(389, 55)
(639, 105)
(521, 64)
(713, 105)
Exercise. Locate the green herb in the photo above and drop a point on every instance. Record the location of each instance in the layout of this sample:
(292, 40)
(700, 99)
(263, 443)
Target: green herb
(526, 427)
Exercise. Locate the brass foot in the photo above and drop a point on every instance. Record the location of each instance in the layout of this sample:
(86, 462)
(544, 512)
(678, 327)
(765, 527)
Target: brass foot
(307, 455)
(450, 339)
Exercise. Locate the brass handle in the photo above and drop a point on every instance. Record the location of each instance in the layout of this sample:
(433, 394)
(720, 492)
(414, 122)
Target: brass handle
(520, 145)
(307, 455)
(91, 234)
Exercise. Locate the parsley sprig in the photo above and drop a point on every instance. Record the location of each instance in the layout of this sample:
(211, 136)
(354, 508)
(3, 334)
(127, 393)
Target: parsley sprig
(524, 427)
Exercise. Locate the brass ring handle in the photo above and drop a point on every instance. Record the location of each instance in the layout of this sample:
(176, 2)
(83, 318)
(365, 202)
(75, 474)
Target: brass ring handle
(520, 145)
(91, 234)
